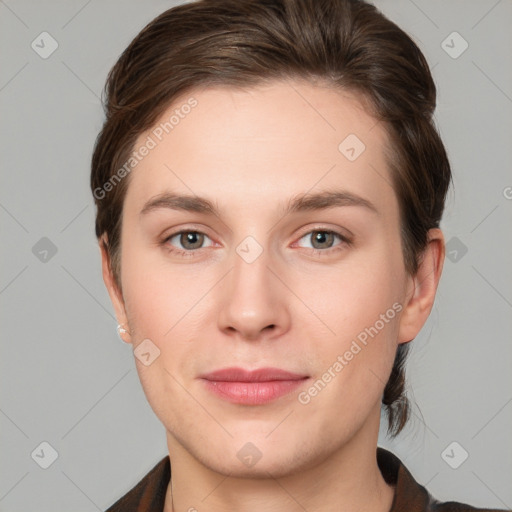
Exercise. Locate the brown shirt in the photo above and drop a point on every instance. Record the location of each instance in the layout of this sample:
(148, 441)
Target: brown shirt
(149, 494)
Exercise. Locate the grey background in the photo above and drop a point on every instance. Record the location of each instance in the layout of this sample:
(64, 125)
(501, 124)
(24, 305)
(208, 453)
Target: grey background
(68, 380)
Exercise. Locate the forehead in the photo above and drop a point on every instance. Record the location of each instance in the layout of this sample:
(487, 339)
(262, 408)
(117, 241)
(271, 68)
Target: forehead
(264, 143)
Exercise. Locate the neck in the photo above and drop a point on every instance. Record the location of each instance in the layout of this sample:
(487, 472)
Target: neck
(347, 480)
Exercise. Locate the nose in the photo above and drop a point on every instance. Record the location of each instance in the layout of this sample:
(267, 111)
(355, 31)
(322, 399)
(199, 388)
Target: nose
(254, 303)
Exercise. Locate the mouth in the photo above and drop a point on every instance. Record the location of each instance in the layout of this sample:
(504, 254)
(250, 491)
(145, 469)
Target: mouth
(255, 387)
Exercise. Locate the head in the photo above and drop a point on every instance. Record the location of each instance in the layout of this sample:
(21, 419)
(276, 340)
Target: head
(255, 106)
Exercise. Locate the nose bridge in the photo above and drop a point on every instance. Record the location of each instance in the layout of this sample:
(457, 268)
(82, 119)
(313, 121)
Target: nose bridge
(250, 272)
(253, 300)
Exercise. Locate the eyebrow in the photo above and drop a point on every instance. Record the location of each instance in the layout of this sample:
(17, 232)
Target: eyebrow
(298, 203)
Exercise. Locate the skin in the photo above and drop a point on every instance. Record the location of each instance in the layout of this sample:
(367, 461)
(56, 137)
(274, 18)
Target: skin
(250, 151)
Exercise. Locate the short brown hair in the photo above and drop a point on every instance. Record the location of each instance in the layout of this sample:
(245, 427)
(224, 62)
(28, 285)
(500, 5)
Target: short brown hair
(347, 44)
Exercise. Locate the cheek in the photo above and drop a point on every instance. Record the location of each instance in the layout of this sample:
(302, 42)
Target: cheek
(158, 298)
(360, 307)
(353, 297)
(161, 306)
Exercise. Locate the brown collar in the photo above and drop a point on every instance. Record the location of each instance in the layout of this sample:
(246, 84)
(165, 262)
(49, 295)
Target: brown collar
(409, 495)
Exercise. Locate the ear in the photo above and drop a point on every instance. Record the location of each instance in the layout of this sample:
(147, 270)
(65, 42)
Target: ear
(422, 288)
(115, 294)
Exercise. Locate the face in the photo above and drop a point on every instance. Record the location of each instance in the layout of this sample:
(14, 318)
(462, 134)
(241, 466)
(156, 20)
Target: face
(286, 255)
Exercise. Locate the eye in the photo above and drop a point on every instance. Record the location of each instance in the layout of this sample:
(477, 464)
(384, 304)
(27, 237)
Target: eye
(189, 240)
(322, 240)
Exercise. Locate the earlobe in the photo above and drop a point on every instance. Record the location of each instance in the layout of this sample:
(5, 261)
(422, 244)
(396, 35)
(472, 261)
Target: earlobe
(423, 286)
(123, 333)
(115, 294)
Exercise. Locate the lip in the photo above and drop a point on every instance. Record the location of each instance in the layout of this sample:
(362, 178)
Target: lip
(252, 387)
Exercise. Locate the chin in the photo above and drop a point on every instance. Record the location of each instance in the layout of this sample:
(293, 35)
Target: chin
(256, 457)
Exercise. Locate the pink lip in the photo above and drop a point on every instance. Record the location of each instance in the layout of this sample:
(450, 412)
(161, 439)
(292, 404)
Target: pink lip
(252, 387)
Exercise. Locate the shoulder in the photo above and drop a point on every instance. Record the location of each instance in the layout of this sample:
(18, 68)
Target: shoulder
(455, 506)
(410, 496)
(148, 495)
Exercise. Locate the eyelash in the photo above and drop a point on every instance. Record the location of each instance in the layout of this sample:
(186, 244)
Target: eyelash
(317, 252)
